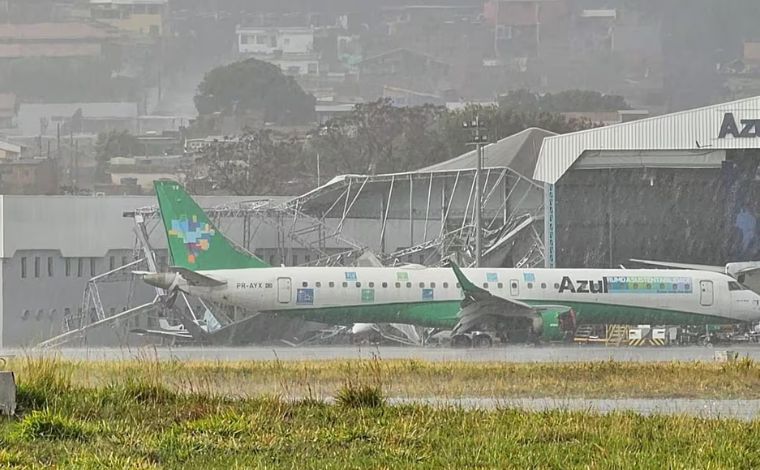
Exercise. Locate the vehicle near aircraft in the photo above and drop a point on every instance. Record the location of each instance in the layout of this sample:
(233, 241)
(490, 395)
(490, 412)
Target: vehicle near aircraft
(546, 302)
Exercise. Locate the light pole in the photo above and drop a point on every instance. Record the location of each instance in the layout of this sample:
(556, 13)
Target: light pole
(479, 138)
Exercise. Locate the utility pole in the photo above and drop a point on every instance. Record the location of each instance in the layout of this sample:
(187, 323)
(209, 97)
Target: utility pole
(479, 138)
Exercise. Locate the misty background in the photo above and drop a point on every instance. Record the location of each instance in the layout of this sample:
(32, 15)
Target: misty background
(108, 95)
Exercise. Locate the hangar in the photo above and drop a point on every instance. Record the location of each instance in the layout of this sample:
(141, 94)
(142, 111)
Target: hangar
(678, 187)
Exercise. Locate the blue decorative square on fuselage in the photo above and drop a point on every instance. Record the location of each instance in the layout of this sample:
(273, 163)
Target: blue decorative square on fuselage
(305, 296)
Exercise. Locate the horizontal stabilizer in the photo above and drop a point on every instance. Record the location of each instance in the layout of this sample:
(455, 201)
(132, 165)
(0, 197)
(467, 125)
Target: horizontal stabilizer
(196, 279)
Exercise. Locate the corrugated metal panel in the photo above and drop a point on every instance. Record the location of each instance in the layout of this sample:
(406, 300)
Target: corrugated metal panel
(687, 130)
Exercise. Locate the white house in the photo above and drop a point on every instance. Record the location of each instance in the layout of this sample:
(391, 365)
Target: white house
(270, 41)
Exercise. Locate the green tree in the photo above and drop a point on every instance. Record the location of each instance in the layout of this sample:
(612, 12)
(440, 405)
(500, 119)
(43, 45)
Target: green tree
(257, 163)
(255, 87)
(378, 137)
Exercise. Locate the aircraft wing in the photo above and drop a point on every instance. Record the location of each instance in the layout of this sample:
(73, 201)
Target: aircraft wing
(668, 264)
(181, 334)
(479, 304)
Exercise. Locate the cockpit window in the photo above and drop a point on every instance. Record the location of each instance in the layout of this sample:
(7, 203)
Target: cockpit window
(733, 285)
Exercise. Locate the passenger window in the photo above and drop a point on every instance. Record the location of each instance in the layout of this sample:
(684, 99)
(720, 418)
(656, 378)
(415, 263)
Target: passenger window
(345, 284)
(422, 285)
(332, 284)
(398, 284)
(485, 285)
(432, 285)
(500, 285)
(409, 285)
(543, 285)
(514, 285)
(319, 284)
(358, 284)
(530, 285)
(445, 285)
(305, 284)
(385, 284)
(458, 286)
(372, 284)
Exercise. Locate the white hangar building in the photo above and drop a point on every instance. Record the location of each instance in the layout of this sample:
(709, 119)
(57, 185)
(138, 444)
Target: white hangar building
(678, 187)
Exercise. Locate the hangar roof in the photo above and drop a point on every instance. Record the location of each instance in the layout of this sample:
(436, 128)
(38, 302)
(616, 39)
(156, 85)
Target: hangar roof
(733, 125)
(518, 152)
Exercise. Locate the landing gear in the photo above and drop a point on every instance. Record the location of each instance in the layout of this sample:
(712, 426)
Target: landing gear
(474, 339)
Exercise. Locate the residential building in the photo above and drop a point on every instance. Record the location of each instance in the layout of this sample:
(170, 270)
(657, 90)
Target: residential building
(521, 26)
(752, 53)
(291, 49)
(402, 68)
(28, 176)
(77, 118)
(142, 17)
(143, 171)
(54, 40)
(9, 151)
(8, 107)
(271, 41)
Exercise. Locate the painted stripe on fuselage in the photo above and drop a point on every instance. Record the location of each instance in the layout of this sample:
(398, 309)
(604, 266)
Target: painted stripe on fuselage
(443, 314)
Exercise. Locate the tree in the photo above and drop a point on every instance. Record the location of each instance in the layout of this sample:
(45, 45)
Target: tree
(378, 137)
(502, 122)
(114, 144)
(256, 163)
(255, 87)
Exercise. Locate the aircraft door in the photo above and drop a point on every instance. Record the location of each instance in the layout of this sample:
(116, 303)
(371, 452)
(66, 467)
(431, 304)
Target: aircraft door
(706, 293)
(514, 288)
(284, 290)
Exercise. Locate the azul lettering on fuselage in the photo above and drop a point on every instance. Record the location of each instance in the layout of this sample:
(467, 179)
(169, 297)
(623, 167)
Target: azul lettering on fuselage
(627, 285)
(749, 127)
(582, 286)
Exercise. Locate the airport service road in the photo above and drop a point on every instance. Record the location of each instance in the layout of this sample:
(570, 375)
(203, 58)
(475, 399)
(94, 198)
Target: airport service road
(517, 353)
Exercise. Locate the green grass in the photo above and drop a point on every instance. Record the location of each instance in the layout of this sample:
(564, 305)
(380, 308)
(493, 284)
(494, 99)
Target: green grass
(400, 378)
(148, 414)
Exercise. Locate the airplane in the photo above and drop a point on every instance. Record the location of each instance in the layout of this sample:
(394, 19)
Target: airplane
(546, 302)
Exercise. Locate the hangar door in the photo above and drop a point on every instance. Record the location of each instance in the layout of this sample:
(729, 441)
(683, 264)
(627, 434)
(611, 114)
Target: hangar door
(706, 293)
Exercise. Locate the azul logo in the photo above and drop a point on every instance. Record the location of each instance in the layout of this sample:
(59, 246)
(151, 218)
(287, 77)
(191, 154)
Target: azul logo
(196, 236)
(749, 127)
(583, 286)
(627, 285)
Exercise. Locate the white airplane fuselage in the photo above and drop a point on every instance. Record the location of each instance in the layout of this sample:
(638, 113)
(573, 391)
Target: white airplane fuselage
(432, 296)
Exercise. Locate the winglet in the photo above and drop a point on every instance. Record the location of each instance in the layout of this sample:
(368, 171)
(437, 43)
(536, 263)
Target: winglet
(466, 284)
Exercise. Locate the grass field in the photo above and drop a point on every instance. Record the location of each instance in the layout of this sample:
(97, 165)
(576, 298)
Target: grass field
(125, 417)
(412, 378)
(150, 414)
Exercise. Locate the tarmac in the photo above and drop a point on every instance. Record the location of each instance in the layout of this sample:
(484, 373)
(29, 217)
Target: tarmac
(516, 353)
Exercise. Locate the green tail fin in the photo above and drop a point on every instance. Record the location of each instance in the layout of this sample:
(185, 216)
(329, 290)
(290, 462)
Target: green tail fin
(194, 242)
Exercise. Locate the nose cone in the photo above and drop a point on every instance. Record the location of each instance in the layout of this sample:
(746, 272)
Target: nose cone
(160, 280)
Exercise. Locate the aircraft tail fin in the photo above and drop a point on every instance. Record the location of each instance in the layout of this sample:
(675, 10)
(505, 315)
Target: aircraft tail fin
(194, 242)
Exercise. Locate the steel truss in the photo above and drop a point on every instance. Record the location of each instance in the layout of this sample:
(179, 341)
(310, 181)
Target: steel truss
(509, 225)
